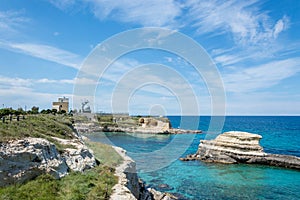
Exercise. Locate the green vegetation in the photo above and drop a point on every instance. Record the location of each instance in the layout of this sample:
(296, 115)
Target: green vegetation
(95, 183)
(106, 120)
(39, 126)
(105, 153)
(10, 111)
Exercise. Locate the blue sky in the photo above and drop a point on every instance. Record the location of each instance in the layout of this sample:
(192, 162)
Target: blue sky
(254, 44)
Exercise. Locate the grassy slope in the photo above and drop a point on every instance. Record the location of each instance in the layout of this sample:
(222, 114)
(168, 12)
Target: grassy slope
(105, 154)
(39, 126)
(92, 184)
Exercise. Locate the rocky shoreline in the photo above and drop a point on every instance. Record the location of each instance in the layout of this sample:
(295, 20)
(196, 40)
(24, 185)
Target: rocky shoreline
(91, 127)
(25, 159)
(240, 147)
(129, 186)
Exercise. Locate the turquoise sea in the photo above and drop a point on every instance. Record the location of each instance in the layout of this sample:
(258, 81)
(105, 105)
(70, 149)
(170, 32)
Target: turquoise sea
(157, 160)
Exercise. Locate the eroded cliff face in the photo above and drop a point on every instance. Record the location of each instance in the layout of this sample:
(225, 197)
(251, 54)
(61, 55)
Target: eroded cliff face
(240, 147)
(23, 160)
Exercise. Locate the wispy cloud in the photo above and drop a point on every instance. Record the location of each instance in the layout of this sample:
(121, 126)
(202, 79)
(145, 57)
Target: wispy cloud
(146, 13)
(262, 76)
(23, 96)
(45, 52)
(10, 21)
(23, 82)
(280, 26)
(242, 19)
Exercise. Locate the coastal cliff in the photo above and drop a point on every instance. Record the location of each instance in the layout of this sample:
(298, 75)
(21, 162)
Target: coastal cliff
(240, 147)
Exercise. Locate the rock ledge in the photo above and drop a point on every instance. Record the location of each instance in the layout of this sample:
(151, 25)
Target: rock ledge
(240, 147)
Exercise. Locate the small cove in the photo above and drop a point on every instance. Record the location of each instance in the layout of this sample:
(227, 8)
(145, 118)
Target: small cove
(198, 180)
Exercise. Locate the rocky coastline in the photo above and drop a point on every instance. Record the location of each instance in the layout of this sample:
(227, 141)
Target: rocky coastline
(22, 160)
(146, 125)
(130, 187)
(240, 147)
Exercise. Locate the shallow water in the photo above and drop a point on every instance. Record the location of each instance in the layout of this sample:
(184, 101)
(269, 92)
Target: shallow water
(157, 160)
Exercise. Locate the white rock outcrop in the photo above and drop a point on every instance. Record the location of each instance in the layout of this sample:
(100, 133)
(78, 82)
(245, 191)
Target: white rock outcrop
(231, 147)
(22, 160)
(240, 147)
(129, 186)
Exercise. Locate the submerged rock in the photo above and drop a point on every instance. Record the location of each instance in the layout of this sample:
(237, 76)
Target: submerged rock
(240, 147)
(165, 187)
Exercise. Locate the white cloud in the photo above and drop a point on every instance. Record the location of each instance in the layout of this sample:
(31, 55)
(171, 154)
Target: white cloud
(20, 92)
(7, 82)
(228, 59)
(280, 26)
(45, 52)
(146, 13)
(22, 96)
(10, 21)
(262, 76)
(242, 19)
(15, 82)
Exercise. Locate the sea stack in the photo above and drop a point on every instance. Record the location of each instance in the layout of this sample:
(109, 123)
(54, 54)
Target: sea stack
(240, 147)
(231, 147)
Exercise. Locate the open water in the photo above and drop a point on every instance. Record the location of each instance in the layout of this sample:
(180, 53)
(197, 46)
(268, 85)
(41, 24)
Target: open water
(157, 160)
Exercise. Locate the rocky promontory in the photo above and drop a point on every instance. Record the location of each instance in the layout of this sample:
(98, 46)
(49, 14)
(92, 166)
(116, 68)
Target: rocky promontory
(151, 125)
(240, 147)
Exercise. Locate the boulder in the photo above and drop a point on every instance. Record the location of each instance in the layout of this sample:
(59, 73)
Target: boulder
(23, 160)
(26, 159)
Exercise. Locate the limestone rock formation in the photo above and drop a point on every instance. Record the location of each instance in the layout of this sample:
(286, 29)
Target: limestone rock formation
(22, 160)
(129, 186)
(150, 124)
(231, 147)
(240, 147)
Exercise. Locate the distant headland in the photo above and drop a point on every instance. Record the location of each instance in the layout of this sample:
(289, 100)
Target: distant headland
(124, 123)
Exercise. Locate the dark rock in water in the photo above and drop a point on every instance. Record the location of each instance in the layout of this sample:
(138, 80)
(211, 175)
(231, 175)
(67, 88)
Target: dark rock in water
(240, 147)
(165, 187)
(179, 196)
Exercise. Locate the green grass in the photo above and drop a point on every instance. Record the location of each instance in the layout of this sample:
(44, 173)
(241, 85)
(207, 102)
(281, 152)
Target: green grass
(95, 183)
(38, 126)
(105, 154)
